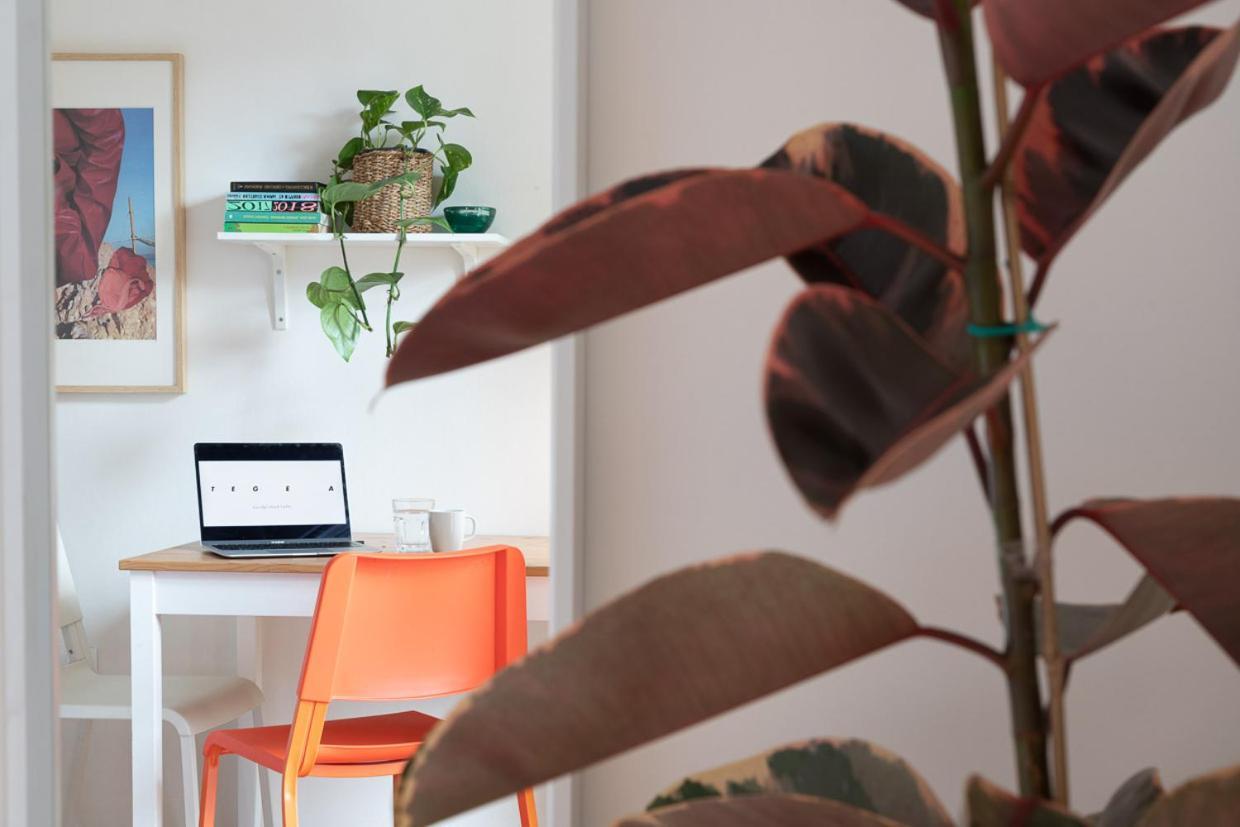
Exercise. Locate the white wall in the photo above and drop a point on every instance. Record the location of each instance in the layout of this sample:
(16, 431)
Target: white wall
(1139, 393)
(269, 94)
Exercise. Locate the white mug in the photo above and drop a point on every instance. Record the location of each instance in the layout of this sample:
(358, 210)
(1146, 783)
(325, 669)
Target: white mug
(448, 529)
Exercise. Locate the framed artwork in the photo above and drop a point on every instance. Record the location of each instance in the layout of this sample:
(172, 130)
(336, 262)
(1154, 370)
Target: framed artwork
(119, 223)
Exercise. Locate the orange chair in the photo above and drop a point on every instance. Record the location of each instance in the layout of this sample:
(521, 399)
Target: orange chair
(387, 628)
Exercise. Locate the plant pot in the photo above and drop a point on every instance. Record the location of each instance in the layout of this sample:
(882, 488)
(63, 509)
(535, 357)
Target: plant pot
(380, 212)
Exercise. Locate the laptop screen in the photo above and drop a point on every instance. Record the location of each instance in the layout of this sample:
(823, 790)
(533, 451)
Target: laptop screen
(251, 491)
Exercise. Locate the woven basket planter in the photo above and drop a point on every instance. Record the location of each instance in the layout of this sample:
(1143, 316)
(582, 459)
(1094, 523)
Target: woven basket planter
(380, 212)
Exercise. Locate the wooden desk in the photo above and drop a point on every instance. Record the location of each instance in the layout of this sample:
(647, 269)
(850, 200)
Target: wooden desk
(187, 580)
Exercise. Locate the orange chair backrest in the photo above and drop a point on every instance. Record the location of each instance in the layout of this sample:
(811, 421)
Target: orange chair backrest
(401, 627)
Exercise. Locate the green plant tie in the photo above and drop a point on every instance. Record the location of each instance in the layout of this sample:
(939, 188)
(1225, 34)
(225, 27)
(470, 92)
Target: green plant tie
(993, 331)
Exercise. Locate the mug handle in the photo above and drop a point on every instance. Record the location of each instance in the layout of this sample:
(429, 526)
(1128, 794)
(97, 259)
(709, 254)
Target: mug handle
(473, 526)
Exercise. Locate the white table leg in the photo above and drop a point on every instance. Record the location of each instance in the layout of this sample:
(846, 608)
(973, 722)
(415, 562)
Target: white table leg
(146, 666)
(253, 785)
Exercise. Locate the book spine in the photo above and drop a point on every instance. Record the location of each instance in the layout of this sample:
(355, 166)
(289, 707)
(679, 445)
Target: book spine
(275, 186)
(273, 196)
(271, 206)
(250, 227)
(276, 218)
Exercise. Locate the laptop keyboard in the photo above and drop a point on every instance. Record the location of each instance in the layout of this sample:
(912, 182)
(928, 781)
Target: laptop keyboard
(305, 546)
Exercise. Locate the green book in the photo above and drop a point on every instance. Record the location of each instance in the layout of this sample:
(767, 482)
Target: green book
(275, 218)
(257, 227)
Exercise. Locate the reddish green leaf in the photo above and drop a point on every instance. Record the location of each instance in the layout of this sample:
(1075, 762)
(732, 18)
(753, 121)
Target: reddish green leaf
(1191, 546)
(855, 399)
(1209, 801)
(759, 811)
(683, 648)
(1131, 801)
(1037, 42)
(1093, 127)
(626, 248)
(847, 770)
(1084, 628)
(894, 179)
(993, 806)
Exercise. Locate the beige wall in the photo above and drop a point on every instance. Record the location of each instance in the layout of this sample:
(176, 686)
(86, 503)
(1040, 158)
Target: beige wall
(1139, 387)
(478, 439)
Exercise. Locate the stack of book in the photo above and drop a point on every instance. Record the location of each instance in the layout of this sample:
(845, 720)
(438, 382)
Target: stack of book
(275, 207)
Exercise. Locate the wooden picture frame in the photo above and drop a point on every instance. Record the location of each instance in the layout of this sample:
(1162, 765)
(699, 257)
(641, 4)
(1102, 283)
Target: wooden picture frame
(120, 292)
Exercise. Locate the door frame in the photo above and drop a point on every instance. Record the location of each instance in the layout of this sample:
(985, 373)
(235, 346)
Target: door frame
(29, 729)
(568, 79)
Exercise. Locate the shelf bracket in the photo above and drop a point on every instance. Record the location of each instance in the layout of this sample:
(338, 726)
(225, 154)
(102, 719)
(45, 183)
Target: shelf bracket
(278, 301)
(469, 255)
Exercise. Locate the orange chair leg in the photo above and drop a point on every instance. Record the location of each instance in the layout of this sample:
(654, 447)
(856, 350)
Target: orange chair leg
(210, 772)
(525, 805)
(290, 800)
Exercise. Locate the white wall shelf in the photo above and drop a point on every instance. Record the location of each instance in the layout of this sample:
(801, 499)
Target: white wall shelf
(470, 247)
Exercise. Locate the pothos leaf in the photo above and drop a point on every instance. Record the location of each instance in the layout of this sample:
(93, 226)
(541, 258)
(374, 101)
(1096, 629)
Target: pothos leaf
(375, 279)
(341, 327)
(401, 327)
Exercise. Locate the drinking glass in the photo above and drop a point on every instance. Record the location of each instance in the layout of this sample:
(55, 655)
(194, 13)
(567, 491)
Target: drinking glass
(411, 517)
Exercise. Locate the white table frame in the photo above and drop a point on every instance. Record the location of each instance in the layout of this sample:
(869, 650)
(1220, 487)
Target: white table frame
(246, 596)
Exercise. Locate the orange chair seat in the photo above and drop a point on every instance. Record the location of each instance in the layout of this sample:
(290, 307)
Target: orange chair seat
(351, 747)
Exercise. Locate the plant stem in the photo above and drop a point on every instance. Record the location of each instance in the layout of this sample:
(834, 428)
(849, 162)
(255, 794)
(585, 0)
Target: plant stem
(344, 257)
(990, 354)
(1043, 562)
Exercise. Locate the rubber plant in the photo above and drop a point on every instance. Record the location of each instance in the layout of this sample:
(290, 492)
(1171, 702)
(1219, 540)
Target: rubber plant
(899, 343)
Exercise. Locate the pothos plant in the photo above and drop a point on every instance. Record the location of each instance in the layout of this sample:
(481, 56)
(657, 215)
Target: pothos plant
(380, 131)
(337, 294)
(906, 335)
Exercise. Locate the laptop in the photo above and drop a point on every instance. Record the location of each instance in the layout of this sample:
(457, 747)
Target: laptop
(272, 500)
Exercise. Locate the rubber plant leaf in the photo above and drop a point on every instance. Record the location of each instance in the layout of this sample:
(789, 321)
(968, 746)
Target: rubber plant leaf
(759, 811)
(991, 806)
(893, 179)
(1208, 801)
(1190, 545)
(1131, 801)
(855, 398)
(631, 246)
(847, 770)
(1084, 628)
(1091, 128)
(1037, 42)
(690, 645)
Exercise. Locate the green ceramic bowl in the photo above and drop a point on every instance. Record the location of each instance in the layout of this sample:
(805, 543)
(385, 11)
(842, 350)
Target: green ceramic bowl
(469, 219)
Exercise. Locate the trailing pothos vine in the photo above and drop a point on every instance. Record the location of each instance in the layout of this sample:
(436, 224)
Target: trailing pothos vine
(338, 295)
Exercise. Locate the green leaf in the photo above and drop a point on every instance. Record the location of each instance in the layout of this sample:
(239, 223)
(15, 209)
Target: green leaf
(344, 192)
(752, 810)
(334, 279)
(314, 292)
(375, 279)
(366, 96)
(408, 127)
(401, 327)
(847, 770)
(458, 157)
(433, 220)
(425, 105)
(447, 186)
(348, 152)
(452, 113)
(341, 328)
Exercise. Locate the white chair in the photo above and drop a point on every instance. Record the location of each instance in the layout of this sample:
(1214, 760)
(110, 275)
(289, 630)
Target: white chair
(191, 704)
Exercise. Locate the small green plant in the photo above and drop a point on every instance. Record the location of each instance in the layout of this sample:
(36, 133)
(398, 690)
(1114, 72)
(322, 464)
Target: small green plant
(342, 309)
(379, 130)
